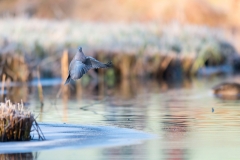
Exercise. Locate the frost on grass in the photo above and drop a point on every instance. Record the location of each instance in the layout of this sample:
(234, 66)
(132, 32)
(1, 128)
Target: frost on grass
(110, 37)
(16, 123)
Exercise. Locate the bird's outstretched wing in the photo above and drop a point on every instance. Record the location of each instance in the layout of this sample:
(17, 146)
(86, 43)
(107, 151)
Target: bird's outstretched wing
(96, 64)
(78, 69)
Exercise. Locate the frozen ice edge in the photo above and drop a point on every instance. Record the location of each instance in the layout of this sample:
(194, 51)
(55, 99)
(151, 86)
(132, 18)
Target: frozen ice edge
(65, 136)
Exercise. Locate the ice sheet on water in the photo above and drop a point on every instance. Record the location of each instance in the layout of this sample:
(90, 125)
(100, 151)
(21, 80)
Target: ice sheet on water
(77, 136)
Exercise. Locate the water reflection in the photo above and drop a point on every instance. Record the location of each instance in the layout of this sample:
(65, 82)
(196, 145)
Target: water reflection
(124, 152)
(18, 93)
(17, 156)
(175, 123)
(124, 89)
(176, 153)
(179, 112)
(65, 93)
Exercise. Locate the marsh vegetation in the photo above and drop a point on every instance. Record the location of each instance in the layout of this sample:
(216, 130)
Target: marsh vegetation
(17, 123)
(150, 50)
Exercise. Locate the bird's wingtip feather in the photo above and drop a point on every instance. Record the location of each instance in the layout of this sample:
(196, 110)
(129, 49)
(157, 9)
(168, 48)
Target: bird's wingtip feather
(67, 80)
(110, 64)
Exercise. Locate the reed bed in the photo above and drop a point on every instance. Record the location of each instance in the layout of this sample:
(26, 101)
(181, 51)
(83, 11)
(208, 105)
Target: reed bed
(16, 123)
(149, 49)
(14, 67)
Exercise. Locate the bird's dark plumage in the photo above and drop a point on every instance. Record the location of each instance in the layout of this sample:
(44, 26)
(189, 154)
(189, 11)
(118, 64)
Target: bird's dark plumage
(80, 65)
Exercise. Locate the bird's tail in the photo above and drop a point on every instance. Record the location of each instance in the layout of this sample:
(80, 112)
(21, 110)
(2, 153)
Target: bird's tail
(67, 80)
(109, 64)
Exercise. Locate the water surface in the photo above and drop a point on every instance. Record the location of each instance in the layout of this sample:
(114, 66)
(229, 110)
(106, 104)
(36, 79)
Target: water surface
(189, 122)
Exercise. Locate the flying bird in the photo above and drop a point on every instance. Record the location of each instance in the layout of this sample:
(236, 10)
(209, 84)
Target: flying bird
(80, 65)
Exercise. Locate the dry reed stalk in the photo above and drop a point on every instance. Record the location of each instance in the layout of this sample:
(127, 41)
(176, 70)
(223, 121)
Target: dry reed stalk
(125, 65)
(78, 89)
(156, 59)
(15, 67)
(64, 70)
(139, 67)
(40, 91)
(64, 89)
(8, 81)
(64, 65)
(187, 63)
(12, 67)
(65, 107)
(155, 65)
(3, 83)
(166, 60)
(101, 57)
(16, 122)
(125, 88)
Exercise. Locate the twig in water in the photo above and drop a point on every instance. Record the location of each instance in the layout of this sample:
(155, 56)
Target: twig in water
(39, 131)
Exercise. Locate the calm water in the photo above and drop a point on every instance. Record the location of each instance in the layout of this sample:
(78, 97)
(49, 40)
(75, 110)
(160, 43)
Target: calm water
(188, 121)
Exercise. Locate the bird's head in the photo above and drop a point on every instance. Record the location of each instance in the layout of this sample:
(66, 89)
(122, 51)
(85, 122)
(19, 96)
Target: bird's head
(80, 49)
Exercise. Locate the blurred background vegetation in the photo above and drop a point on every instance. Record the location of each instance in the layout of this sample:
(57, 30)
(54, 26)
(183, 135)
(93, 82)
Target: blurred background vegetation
(218, 13)
(154, 39)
